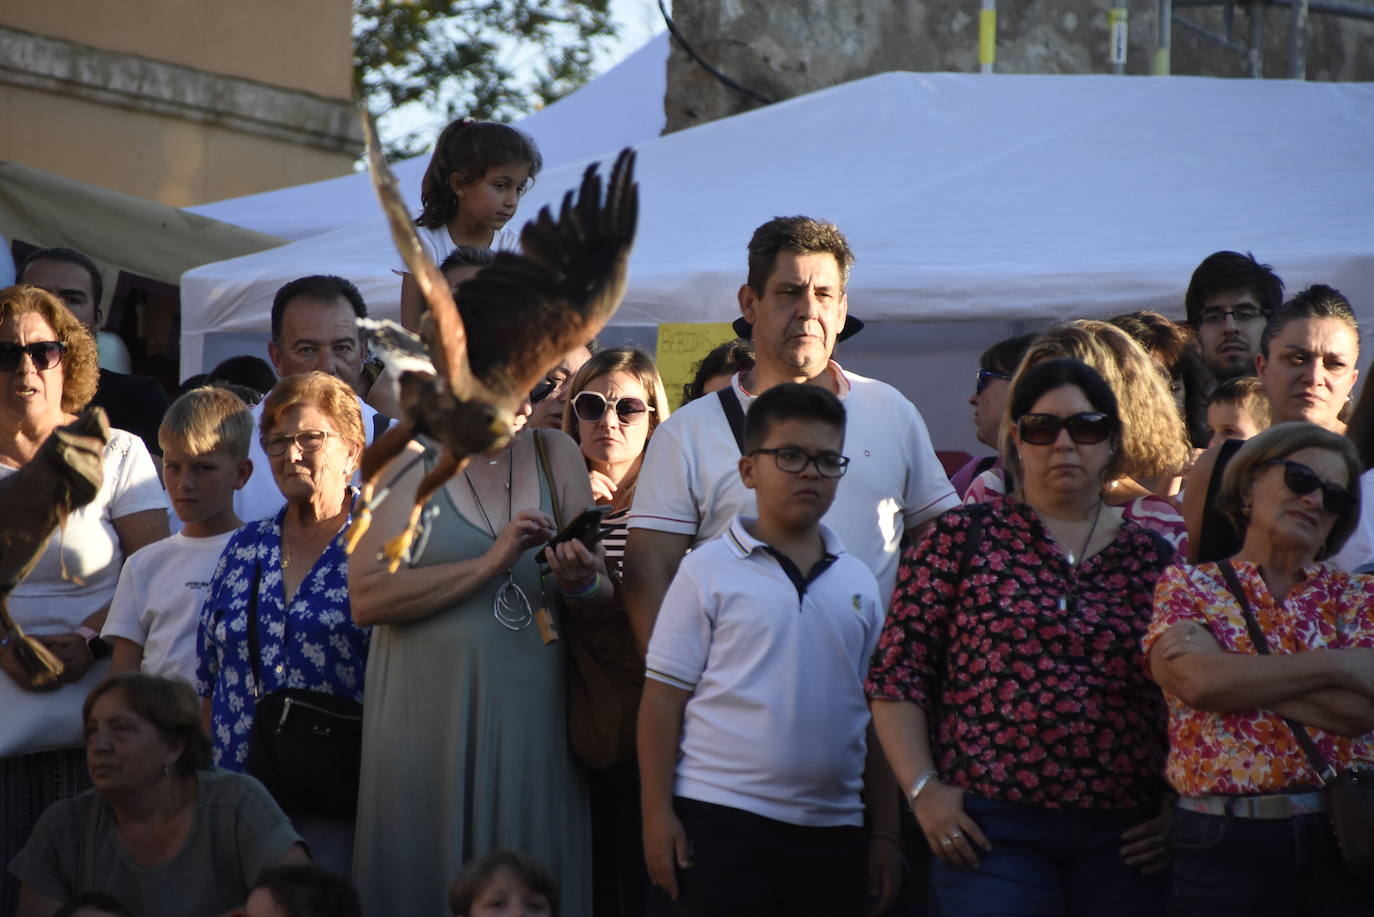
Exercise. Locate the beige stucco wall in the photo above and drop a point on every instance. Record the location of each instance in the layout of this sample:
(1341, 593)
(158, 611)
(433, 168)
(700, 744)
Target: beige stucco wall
(299, 44)
(179, 101)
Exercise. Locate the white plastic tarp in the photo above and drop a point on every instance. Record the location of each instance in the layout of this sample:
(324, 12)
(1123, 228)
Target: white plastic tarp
(622, 106)
(978, 206)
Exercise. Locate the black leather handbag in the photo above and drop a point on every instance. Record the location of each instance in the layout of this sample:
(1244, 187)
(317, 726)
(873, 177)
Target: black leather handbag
(306, 746)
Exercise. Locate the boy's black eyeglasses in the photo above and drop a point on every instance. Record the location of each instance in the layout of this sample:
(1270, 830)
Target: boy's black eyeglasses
(1302, 480)
(44, 354)
(794, 461)
(592, 406)
(984, 377)
(305, 440)
(1086, 429)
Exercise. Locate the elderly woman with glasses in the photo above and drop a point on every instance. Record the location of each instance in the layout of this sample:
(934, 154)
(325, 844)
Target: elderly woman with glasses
(1008, 689)
(277, 614)
(48, 374)
(1274, 633)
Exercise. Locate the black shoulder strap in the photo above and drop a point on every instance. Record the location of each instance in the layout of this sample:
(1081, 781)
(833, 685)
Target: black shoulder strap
(1252, 625)
(380, 423)
(253, 648)
(973, 538)
(734, 414)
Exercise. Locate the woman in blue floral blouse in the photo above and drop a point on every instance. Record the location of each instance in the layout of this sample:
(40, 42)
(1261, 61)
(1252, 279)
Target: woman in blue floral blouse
(291, 572)
(1008, 689)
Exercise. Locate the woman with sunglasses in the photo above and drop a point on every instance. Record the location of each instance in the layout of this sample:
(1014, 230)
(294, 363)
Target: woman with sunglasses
(48, 373)
(277, 612)
(617, 400)
(1154, 444)
(1251, 832)
(1008, 689)
(989, 400)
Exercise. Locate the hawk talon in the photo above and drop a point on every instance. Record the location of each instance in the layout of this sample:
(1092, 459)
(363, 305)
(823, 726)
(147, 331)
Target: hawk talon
(397, 550)
(361, 522)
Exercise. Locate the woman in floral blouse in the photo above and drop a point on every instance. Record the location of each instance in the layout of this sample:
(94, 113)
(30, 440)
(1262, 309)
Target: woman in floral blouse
(1008, 687)
(1251, 832)
(290, 570)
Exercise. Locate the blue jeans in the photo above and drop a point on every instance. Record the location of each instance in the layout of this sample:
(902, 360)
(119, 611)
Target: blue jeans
(1050, 863)
(1261, 868)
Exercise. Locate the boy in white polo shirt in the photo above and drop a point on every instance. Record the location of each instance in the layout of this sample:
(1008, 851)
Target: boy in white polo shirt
(752, 724)
(156, 606)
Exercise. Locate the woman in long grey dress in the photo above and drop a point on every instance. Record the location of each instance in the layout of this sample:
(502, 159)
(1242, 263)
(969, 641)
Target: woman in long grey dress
(465, 727)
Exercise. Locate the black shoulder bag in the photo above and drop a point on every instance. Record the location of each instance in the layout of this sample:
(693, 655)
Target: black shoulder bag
(1349, 793)
(306, 746)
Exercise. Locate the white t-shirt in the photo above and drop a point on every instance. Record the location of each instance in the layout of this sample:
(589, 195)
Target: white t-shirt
(438, 244)
(775, 724)
(260, 497)
(690, 484)
(1358, 550)
(157, 603)
(45, 603)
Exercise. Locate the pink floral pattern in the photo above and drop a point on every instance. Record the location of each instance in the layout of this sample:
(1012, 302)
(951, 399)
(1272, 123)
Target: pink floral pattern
(1254, 751)
(1029, 701)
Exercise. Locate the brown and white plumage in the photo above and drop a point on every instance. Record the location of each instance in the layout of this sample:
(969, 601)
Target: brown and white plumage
(510, 325)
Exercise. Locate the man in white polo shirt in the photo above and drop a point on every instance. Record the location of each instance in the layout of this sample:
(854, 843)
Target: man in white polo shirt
(313, 328)
(689, 487)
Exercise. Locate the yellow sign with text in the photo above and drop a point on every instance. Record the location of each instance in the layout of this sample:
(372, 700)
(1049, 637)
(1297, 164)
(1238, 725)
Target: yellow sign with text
(681, 346)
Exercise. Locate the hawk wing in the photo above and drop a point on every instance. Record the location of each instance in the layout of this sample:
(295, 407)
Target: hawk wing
(450, 339)
(400, 349)
(524, 311)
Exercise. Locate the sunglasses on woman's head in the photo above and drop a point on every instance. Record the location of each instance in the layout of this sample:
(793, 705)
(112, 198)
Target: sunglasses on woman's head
(984, 377)
(1302, 480)
(592, 406)
(1086, 429)
(44, 354)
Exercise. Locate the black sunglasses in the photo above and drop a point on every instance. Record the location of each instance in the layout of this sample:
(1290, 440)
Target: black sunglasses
(542, 390)
(44, 354)
(1086, 429)
(984, 377)
(1302, 480)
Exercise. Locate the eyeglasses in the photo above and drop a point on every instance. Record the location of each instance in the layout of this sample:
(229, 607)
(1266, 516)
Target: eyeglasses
(305, 440)
(1238, 314)
(1302, 480)
(1086, 429)
(543, 390)
(984, 377)
(44, 354)
(592, 406)
(794, 461)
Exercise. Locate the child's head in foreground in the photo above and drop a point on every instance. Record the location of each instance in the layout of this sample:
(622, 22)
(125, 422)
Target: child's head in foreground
(302, 890)
(1237, 409)
(504, 882)
(793, 453)
(205, 436)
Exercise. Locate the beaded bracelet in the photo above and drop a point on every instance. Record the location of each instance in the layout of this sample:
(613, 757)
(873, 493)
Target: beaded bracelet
(593, 586)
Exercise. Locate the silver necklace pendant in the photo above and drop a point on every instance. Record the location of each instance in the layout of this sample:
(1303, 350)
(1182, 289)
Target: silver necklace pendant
(511, 607)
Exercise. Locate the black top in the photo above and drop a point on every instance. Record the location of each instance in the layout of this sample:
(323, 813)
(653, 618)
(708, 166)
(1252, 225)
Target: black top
(133, 403)
(1218, 539)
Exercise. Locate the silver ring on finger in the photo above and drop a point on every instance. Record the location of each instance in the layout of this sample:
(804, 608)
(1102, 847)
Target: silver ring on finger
(957, 834)
(946, 841)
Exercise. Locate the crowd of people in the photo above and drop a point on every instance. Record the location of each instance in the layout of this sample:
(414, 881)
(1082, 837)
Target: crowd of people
(791, 666)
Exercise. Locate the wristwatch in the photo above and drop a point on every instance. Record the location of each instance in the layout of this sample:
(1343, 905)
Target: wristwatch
(98, 648)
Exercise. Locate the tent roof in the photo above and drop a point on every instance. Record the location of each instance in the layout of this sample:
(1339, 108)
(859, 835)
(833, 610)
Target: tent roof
(621, 107)
(136, 235)
(965, 197)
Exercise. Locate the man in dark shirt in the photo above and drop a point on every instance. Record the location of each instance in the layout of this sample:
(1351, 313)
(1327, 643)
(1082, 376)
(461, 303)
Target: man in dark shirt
(133, 403)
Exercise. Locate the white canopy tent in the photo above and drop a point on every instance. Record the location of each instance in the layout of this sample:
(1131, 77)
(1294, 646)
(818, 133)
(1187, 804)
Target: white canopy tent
(978, 207)
(622, 106)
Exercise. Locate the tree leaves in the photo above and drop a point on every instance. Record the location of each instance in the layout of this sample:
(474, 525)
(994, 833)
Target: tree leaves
(486, 59)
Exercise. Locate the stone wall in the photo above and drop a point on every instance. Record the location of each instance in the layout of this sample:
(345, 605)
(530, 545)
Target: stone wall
(784, 48)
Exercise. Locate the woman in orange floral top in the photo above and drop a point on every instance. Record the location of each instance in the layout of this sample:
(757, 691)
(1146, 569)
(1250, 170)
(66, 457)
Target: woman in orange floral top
(1251, 834)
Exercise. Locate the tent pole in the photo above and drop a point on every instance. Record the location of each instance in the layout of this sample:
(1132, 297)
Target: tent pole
(1166, 25)
(987, 36)
(1297, 39)
(1116, 35)
(1257, 40)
